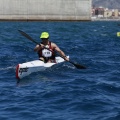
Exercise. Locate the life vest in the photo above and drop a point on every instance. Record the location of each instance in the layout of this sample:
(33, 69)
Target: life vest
(48, 53)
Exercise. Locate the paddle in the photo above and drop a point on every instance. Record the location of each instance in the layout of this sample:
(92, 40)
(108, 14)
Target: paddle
(78, 66)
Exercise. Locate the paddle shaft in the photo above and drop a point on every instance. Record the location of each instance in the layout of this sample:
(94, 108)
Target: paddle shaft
(75, 64)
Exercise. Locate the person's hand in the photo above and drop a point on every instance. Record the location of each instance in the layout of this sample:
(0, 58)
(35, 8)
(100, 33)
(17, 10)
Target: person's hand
(66, 58)
(41, 45)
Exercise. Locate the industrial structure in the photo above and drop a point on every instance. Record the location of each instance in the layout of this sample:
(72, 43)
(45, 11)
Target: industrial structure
(45, 10)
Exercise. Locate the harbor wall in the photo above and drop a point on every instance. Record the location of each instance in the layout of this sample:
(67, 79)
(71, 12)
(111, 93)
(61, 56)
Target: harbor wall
(45, 10)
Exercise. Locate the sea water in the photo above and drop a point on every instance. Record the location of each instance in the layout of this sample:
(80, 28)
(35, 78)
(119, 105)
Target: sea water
(62, 92)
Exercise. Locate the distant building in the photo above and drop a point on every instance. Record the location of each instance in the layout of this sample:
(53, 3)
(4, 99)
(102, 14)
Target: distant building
(101, 12)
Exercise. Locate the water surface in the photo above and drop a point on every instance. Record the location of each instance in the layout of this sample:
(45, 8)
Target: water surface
(62, 92)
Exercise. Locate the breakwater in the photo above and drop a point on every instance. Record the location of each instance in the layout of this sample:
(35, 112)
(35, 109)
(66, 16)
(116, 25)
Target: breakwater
(45, 10)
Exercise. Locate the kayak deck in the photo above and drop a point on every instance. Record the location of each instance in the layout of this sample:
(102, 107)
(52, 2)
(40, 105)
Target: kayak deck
(27, 68)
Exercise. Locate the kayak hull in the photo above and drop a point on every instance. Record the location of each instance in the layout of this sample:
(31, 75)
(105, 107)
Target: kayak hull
(27, 68)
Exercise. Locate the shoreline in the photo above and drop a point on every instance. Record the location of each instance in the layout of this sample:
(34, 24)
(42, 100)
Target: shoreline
(105, 19)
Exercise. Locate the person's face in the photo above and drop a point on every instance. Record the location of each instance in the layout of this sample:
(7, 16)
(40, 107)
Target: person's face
(45, 40)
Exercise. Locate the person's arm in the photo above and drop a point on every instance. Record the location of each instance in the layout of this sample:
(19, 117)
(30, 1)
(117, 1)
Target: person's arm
(38, 47)
(60, 52)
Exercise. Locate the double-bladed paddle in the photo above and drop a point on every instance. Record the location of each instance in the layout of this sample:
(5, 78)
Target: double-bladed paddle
(78, 66)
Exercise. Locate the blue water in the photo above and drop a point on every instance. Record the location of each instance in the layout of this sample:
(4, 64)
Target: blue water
(62, 92)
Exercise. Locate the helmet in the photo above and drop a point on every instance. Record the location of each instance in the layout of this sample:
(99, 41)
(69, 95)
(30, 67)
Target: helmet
(44, 35)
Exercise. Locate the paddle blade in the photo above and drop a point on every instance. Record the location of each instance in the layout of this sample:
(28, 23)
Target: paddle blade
(78, 66)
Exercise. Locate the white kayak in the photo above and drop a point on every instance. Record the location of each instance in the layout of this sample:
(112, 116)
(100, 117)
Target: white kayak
(27, 68)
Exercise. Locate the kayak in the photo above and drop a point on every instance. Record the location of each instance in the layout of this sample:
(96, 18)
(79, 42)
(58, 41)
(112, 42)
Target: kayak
(25, 69)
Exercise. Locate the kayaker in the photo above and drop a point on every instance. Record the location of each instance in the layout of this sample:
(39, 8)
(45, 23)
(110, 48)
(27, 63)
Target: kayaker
(46, 49)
